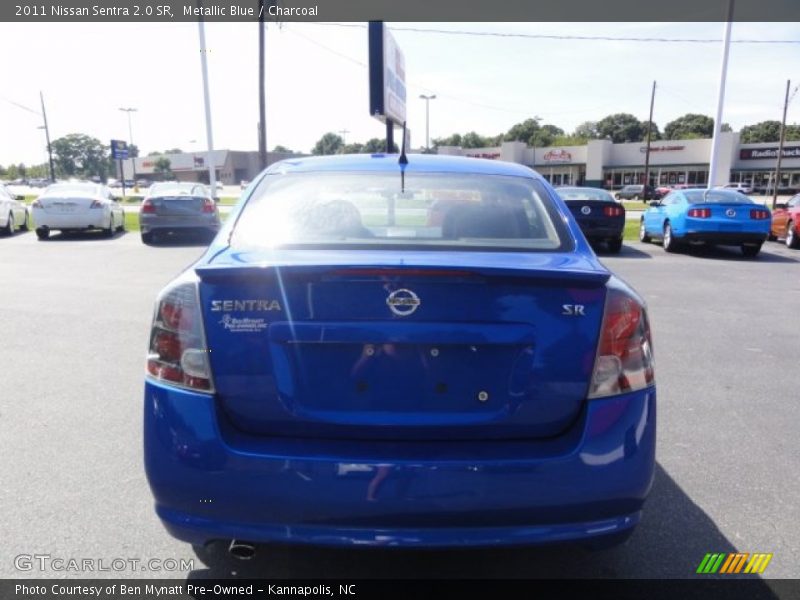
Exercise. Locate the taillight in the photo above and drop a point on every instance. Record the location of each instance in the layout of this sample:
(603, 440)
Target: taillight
(208, 206)
(178, 353)
(759, 214)
(613, 211)
(147, 207)
(624, 360)
(700, 213)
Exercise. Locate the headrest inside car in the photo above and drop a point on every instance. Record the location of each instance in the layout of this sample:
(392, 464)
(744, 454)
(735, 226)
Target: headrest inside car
(483, 221)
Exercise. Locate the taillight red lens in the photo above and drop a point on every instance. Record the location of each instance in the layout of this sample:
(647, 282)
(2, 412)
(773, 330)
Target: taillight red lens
(624, 360)
(613, 211)
(700, 213)
(208, 206)
(147, 207)
(178, 352)
(759, 214)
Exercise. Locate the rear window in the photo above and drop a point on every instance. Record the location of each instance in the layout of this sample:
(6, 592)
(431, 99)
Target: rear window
(585, 194)
(78, 189)
(716, 197)
(429, 210)
(172, 189)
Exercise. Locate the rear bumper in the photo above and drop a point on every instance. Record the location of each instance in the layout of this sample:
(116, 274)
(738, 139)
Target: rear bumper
(732, 238)
(212, 482)
(149, 223)
(89, 219)
(613, 232)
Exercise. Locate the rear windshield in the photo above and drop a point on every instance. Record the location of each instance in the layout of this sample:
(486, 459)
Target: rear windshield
(585, 194)
(77, 189)
(716, 197)
(173, 189)
(430, 210)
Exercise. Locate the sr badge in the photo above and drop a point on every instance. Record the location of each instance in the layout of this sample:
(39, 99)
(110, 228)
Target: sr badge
(403, 302)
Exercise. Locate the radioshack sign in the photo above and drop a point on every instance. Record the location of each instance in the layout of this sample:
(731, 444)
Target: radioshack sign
(766, 153)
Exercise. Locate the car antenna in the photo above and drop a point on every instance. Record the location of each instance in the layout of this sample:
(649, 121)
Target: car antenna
(403, 161)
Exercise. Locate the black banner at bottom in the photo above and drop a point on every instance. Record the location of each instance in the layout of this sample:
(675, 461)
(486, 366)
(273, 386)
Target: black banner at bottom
(260, 589)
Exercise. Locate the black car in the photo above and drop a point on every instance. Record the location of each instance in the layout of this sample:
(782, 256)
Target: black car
(601, 218)
(638, 192)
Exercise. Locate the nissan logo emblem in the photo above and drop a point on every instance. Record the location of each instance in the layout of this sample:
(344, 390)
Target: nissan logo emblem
(403, 302)
(586, 210)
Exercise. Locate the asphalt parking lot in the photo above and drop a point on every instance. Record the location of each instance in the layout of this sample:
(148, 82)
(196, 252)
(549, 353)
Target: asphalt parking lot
(75, 318)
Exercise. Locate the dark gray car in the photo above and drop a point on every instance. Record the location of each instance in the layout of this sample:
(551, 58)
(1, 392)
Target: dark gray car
(172, 208)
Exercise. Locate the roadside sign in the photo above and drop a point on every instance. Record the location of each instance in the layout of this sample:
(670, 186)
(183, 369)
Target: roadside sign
(387, 76)
(119, 149)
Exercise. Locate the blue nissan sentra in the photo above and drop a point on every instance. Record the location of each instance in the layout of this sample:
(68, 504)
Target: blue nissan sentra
(421, 353)
(711, 216)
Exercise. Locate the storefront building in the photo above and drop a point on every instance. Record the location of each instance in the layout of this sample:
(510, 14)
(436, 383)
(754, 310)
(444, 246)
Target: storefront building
(601, 163)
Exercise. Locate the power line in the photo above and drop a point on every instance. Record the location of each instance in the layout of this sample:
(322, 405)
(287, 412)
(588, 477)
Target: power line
(544, 36)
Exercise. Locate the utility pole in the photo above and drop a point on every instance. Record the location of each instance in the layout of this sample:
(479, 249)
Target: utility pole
(647, 151)
(50, 149)
(427, 119)
(343, 133)
(536, 120)
(212, 174)
(780, 146)
(262, 98)
(726, 46)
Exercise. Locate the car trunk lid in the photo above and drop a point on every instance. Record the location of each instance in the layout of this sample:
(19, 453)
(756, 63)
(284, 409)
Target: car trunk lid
(428, 345)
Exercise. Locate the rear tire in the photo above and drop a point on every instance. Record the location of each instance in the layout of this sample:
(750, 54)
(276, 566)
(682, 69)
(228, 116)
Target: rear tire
(670, 245)
(147, 238)
(26, 222)
(42, 233)
(643, 237)
(792, 239)
(109, 232)
(121, 227)
(10, 226)
(751, 250)
(614, 246)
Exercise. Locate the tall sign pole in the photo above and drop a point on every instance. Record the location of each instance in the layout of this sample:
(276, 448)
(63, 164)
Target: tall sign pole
(387, 80)
(726, 45)
(50, 149)
(780, 146)
(647, 150)
(262, 98)
(212, 175)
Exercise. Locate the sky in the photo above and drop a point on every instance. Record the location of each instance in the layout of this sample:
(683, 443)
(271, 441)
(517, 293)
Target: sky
(317, 80)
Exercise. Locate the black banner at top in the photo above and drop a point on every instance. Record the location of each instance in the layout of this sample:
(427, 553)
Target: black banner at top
(168, 11)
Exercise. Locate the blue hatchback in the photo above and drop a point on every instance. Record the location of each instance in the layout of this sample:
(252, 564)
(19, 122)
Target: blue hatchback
(420, 354)
(712, 216)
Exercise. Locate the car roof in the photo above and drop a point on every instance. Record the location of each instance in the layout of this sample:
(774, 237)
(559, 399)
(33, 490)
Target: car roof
(421, 163)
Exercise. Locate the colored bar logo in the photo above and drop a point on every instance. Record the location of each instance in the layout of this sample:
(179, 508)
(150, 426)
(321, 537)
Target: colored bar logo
(734, 562)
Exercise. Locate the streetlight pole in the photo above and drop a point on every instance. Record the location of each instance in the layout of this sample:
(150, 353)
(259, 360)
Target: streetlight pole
(427, 119)
(130, 141)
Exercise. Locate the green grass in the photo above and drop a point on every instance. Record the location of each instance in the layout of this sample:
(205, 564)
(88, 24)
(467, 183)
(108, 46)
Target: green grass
(632, 205)
(631, 231)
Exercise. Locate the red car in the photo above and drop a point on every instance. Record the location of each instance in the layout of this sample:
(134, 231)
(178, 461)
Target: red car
(786, 222)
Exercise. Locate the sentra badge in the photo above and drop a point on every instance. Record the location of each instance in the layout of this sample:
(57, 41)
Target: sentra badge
(403, 302)
(244, 305)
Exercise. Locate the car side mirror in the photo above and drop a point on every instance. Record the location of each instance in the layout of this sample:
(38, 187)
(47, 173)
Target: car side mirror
(655, 202)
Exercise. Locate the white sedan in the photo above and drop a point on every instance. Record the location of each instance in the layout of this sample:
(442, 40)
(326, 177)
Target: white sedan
(71, 207)
(13, 212)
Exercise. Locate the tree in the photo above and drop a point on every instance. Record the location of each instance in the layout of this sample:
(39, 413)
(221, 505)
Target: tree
(163, 168)
(473, 140)
(655, 134)
(586, 130)
(280, 148)
(768, 131)
(690, 126)
(80, 155)
(330, 143)
(453, 140)
(133, 151)
(173, 151)
(354, 148)
(621, 128)
(530, 132)
(377, 145)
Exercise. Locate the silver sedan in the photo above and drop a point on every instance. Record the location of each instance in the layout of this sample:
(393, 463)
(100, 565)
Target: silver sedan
(171, 208)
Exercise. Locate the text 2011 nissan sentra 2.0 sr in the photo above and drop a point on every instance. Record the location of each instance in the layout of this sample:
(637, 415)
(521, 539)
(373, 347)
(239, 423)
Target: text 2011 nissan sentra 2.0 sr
(342, 368)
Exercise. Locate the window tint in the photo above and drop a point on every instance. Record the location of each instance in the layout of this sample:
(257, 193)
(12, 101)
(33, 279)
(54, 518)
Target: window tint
(432, 210)
(718, 196)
